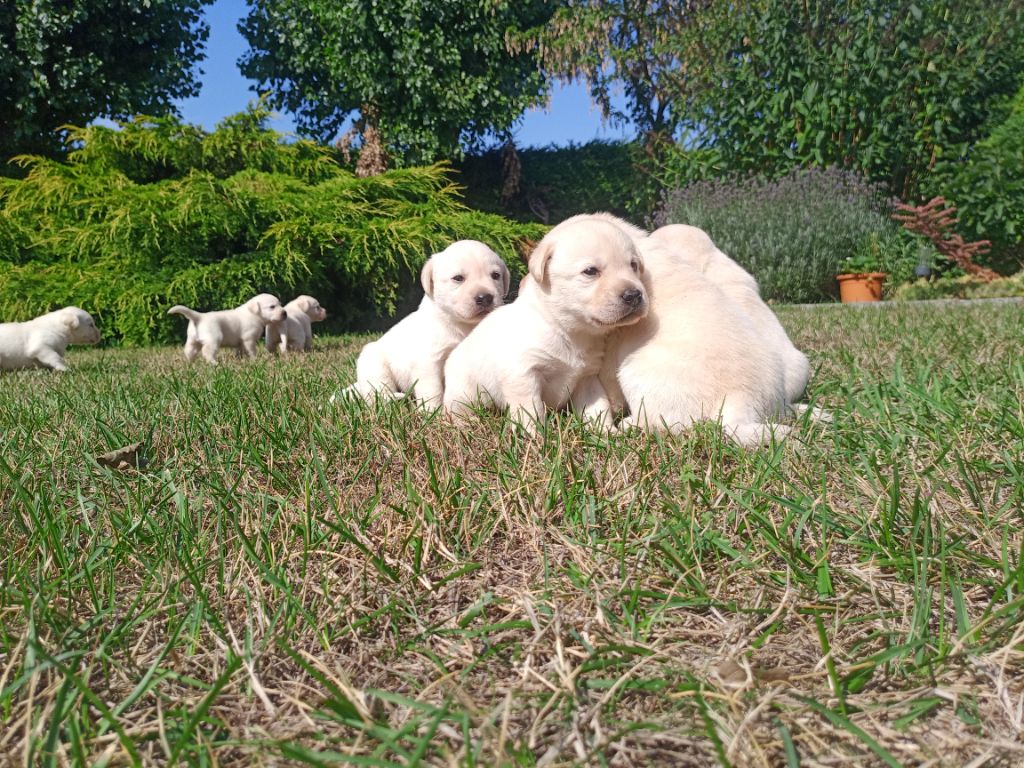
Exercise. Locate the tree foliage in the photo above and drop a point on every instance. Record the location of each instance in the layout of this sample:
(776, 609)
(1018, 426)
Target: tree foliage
(558, 182)
(73, 61)
(890, 87)
(987, 186)
(158, 213)
(635, 45)
(431, 77)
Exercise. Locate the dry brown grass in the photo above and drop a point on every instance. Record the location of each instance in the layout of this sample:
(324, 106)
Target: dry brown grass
(288, 582)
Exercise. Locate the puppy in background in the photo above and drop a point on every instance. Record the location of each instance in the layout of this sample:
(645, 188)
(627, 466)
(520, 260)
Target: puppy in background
(698, 356)
(239, 328)
(697, 250)
(545, 350)
(43, 341)
(462, 285)
(295, 332)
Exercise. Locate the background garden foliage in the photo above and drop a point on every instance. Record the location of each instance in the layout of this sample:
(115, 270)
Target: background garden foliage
(557, 182)
(889, 87)
(73, 60)
(987, 186)
(159, 213)
(740, 110)
(794, 233)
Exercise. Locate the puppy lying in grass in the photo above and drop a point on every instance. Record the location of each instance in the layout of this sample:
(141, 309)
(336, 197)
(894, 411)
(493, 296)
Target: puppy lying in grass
(295, 332)
(42, 341)
(697, 249)
(545, 350)
(239, 328)
(462, 285)
(698, 356)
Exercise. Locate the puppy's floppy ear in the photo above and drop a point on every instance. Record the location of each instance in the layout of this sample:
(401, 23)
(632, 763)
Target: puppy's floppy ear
(427, 277)
(71, 321)
(505, 278)
(539, 259)
(253, 305)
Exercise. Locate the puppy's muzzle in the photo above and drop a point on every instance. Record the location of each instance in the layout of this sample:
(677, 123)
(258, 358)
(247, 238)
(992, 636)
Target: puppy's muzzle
(484, 300)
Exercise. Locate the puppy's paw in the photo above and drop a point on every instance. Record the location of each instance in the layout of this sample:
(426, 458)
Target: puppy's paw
(757, 435)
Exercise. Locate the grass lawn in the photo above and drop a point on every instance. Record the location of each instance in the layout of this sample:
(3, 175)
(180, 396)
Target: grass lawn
(289, 582)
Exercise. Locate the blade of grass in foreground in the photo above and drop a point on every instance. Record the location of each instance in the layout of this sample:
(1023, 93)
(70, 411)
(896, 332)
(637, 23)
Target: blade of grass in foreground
(841, 721)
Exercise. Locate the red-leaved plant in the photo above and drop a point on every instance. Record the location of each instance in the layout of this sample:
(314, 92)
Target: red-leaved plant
(935, 220)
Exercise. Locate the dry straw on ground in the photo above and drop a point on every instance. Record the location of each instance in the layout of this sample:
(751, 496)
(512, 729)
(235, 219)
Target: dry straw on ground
(288, 582)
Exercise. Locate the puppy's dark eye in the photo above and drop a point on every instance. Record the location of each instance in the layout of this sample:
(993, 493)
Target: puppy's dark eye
(459, 278)
(591, 271)
(496, 275)
(633, 265)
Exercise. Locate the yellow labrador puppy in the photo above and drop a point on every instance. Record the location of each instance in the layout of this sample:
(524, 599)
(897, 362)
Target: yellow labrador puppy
(42, 341)
(239, 328)
(295, 332)
(697, 356)
(698, 251)
(545, 350)
(462, 285)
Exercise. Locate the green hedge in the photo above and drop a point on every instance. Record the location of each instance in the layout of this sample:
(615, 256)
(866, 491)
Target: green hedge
(158, 213)
(962, 287)
(987, 187)
(559, 182)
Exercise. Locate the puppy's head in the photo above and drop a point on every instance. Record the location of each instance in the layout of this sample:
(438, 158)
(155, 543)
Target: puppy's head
(80, 326)
(266, 307)
(590, 271)
(309, 307)
(467, 280)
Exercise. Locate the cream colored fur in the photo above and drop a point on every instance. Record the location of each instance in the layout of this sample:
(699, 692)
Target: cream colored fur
(544, 351)
(697, 250)
(462, 285)
(697, 356)
(239, 328)
(295, 332)
(42, 342)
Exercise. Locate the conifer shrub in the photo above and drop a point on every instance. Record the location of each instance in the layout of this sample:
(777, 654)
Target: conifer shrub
(157, 213)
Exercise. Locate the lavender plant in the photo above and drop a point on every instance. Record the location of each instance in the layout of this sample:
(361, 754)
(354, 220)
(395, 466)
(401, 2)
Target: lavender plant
(791, 233)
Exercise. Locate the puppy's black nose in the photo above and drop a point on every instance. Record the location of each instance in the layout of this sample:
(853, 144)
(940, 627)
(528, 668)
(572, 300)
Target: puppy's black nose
(633, 296)
(484, 299)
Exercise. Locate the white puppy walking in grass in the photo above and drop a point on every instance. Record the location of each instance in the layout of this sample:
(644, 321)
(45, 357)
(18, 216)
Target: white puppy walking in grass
(462, 285)
(545, 350)
(239, 328)
(43, 341)
(295, 332)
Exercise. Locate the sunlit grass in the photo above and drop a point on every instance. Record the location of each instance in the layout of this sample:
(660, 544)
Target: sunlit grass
(287, 581)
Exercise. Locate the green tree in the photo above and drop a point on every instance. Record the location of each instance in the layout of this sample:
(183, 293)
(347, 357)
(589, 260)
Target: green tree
(74, 60)
(430, 77)
(987, 186)
(890, 87)
(633, 45)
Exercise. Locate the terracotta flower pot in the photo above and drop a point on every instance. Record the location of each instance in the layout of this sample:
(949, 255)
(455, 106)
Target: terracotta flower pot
(864, 287)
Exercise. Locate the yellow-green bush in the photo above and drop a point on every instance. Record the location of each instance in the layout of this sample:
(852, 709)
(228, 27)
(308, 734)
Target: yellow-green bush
(158, 213)
(962, 287)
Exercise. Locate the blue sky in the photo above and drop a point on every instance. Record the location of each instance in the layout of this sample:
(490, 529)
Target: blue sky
(570, 116)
